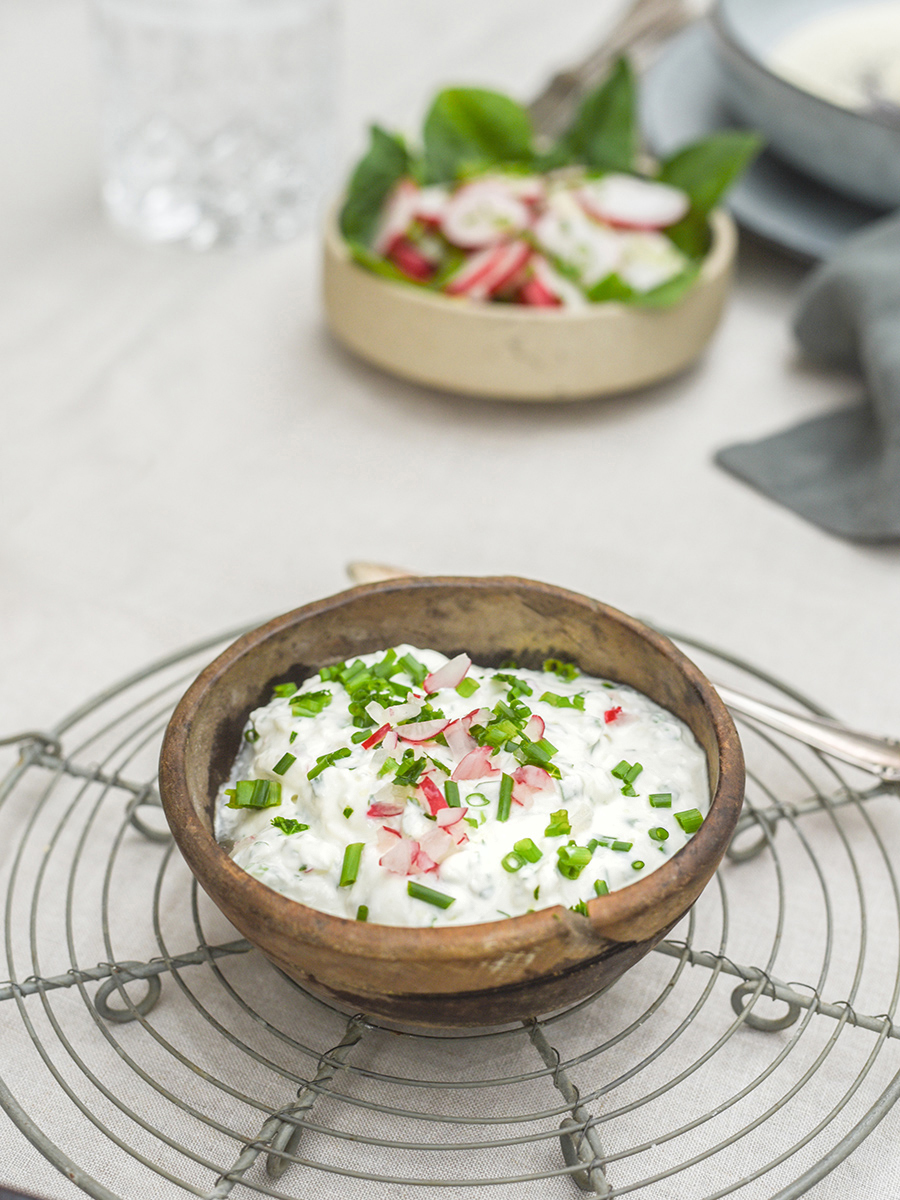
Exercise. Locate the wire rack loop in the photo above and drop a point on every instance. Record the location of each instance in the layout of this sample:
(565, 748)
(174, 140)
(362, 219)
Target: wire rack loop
(116, 983)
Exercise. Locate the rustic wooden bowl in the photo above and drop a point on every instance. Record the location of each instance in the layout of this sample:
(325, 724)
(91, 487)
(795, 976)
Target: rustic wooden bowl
(472, 974)
(512, 352)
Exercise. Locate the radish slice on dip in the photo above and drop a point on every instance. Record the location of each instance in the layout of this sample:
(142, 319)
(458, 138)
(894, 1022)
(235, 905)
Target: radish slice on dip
(633, 203)
(449, 675)
(482, 214)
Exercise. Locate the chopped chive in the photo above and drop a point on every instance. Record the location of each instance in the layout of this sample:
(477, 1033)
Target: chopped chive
(572, 860)
(580, 907)
(388, 666)
(477, 800)
(504, 804)
(284, 689)
(627, 790)
(638, 865)
(512, 862)
(359, 736)
(661, 800)
(362, 913)
(419, 891)
(562, 670)
(348, 813)
(324, 761)
(350, 865)
(309, 704)
(288, 825)
(659, 834)
(634, 772)
(293, 736)
(690, 820)
(467, 687)
(528, 850)
(284, 763)
(601, 887)
(254, 793)
(621, 769)
(558, 701)
(617, 845)
(414, 669)
(389, 764)
(451, 793)
(537, 892)
(251, 736)
(327, 674)
(559, 824)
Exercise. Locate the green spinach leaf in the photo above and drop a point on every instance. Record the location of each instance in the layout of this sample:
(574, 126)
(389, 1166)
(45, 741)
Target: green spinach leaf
(469, 126)
(604, 134)
(386, 161)
(707, 169)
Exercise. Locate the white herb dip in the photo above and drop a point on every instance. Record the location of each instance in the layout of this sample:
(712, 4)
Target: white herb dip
(846, 56)
(587, 767)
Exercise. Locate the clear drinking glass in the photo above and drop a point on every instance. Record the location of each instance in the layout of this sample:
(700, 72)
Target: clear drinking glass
(218, 117)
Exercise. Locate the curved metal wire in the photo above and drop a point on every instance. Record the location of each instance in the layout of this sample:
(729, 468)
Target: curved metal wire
(281, 1108)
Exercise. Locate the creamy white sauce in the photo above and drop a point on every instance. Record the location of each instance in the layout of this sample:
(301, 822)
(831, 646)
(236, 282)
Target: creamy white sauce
(846, 55)
(616, 725)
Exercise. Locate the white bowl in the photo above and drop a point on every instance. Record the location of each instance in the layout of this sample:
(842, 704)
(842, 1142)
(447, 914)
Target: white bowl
(512, 352)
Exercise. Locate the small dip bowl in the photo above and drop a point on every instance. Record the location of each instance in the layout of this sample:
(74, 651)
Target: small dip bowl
(468, 975)
(850, 151)
(511, 351)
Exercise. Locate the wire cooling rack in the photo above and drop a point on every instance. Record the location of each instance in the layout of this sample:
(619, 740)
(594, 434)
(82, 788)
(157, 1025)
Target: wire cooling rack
(149, 1052)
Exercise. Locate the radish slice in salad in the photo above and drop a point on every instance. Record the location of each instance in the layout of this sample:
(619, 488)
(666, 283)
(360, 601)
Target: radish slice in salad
(650, 260)
(568, 234)
(552, 282)
(634, 203)
(489, 271)
(482, 214)
(412, 262)
(399, 213)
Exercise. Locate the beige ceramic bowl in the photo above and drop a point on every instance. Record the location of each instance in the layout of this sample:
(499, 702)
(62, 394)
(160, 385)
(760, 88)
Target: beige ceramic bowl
(457, 975)
(510, 352)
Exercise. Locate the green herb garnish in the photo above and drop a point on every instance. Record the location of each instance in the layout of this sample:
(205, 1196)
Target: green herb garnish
(324, 761)
(690, 820)
(419, 891)
(564, 701)
(661, 800)
(254, 793)
(284, 763)
(309, 704)
(528, 850)
(504, 803)
(601, 887)
(350, 865)
(288, 825)
(562, 670)
(512, 862)
(362, 913)
(284, 689)
(467, 687)
(451, 793)
(559, 824)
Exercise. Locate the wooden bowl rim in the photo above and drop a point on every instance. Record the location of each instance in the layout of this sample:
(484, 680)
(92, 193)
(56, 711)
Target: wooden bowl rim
(210, 861)
(716, 263)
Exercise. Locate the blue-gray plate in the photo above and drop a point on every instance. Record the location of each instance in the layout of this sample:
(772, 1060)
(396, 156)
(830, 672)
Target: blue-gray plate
(682, 100)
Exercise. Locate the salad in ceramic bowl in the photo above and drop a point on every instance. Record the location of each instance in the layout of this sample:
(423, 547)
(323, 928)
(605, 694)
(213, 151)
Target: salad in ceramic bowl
(482, 210)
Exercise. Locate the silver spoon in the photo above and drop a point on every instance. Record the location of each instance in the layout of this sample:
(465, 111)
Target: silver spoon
(881, 756)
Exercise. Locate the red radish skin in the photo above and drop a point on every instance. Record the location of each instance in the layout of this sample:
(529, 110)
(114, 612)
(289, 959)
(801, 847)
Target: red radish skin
(482, 214)
(399, 214)
(383, 810)
(421, 731)
(433, 796)
(626, 202)
(489, 271)
(376, 737)
(612, 714)
(534, 292)
(476, 765)
(411, 261)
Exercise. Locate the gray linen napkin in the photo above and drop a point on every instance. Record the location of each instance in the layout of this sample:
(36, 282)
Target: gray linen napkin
(842, 471)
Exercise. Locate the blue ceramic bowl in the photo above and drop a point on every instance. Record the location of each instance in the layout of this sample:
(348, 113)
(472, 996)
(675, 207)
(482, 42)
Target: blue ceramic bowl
(854, 152)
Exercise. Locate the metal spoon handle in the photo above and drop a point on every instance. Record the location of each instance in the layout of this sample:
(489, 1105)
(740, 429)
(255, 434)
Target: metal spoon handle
(880, 755)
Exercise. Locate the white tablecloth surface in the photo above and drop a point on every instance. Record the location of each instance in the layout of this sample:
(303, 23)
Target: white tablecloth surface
(185, 449)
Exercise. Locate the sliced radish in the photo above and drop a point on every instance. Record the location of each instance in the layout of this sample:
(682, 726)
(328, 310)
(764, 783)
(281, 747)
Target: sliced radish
(422, 731)
(383, 810)
(449, 675)
(422, 862)
(649, 260)
(633, 203)
(437, 844)
(476, 765)
(535, 294)
(535, 778)
(534, 728)
(390, 741)
(448, 817)
(568, 294)
(612, 714)
(431, 204)
(398, 214)
(483, 213)
(487, 272)
(376, 737)
(399, 859)
(412, 262)
(458, 739)
(433, 796)
(399, 712)
(566, 233)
